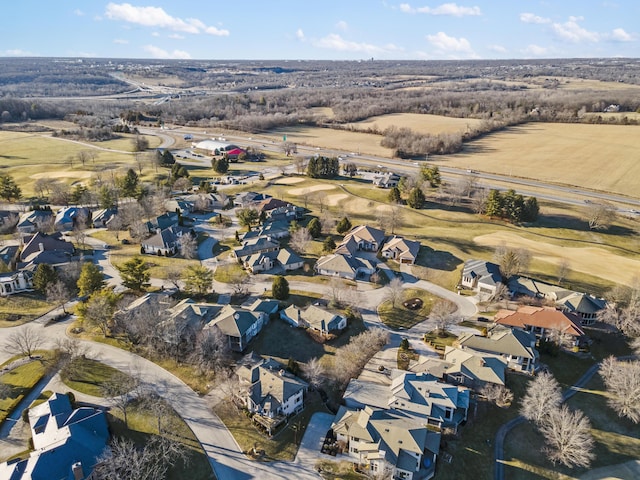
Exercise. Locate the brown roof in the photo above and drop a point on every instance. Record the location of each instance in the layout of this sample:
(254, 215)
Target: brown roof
(545, 317)
(270, 204)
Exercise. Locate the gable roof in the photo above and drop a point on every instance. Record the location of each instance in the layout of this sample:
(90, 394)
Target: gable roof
(40, 242)
(365, 233)
(475, 366)
(342, 263)
(404, 248)
(274, 386)
(503, 341)
(486, 272)
(234, 321)
(544, 317)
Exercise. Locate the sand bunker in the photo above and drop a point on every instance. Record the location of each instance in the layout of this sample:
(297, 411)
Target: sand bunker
(63, 174)
(314, 188)
(333, 200)
(288, 180)
(592, 260)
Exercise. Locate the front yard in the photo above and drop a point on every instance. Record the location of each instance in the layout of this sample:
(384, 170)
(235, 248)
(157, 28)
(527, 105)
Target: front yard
(22, 308)
(403, 318)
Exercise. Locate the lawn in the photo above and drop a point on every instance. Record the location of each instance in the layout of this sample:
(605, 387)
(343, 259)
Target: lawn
(18, 309)
(284, 444)
(343, 470)
(420, 123)
(22, 379)
(617, 440)
(141, 424)
(158, 265)
(90, 376)
(402, 318)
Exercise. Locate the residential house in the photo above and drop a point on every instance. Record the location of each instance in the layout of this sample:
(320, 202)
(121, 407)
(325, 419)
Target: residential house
(249, 199)
(344, 266)
(366, 238)
(274, 230)
(67, 443)
(179, 205)
(239, 325)
(386, 180)
(584, 305)
(481, 277)
(388, 442)
(101, 218)
(268, 307)
(15, 282)
(401, 250)
(42, 248)
(516, 347)
(35, 220)
(149, 303)
(166, 242)
(255, 245)
(184, 320)
(314, 317)
(270, 204)
(163, 221)
(285, 258)
(268, 390)
(208, 201)
(473, 369)
(288, 213)
(68, 217)
(544, 323)
(289, 260)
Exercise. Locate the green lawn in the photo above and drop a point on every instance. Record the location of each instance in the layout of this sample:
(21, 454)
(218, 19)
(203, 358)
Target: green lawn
(22, 379)
(284, 444)
(439, 342)
(400, 317)
(141, 424)
(18, 309)
(90, 376)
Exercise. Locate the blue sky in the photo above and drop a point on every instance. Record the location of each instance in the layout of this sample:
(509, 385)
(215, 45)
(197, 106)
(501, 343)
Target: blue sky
(325, 29)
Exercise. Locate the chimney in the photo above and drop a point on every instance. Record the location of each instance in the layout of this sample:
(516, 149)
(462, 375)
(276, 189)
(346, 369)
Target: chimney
(76, 470)
(41, 247)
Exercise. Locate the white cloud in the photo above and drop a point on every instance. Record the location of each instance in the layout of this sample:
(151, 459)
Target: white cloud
(497, 48)
(572, 32)
(334, 41)
(444, 9)
(532, 18)
(120, 41)
(18, 52)
(78, 12)
(449, 45)
(342, 25)
(157, 17)
(619, 35)
(155, 34)
(535, 51)
(176, 36)
(157, 52)
(300, 34)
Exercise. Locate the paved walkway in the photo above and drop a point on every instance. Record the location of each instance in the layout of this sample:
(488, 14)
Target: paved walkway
(309, 450)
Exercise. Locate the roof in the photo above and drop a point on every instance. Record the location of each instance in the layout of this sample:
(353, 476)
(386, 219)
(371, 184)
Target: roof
(502, 341)
(254, 245)
(234, 321)
(475, 365)
(265, 306)
(275, 386)
(342, 263)
(236, 151)
(365, 233)
(271, 203)
(545, 317)
(404, 247)
(213, 145)
(487, 273)
(360, 393)
(314, 316)
(288, 257)
(49, 243)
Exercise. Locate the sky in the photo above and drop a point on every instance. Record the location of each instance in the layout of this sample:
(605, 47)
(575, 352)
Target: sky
(320, 30)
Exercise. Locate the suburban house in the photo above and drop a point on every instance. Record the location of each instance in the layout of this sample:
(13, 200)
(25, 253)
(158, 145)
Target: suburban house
(208, 201)
(268, 307)
(15, 282)
(386, 180)
(544, 323)
(388, 442)
(149, 302)
(473, 369)
(249, 199)
(270, 204)
(584, 305)
(239, 325)
(401, 250)
(184, 207)
(344, 266)
(35, 220)
(274, 230)
(481, 276)
(185, 319)
(67, 443)
(363, 237)
(43, 248)
(163, 221)
(285, 258)
(255, 245)
(269, 391)
(68, 217)
(288, 213)
(314, 317)
(516, 347)
(166, 242)
(101, 218)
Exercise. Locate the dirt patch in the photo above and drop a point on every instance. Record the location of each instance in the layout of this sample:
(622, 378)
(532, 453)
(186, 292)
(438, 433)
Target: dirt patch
(311, 189)
(63, 174)
(288, 180)
(421, 123)
(333, 200)
(592, 260)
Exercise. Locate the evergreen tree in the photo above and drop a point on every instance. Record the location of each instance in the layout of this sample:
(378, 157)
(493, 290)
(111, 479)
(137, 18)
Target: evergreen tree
(9, 190)
(329, 245)
(135, 273)
(315, 228)
(91, 279)
(343, 226)
(129, 184)
(394, 195)
(431, 175)
(43, 277)
(198, 279)
(280, 288)
(168, 159)
(220, 165)
(416, 198)
(531, 210)
(494, 204)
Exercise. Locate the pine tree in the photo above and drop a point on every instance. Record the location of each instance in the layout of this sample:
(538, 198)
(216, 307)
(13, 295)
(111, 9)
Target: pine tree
(416, 198)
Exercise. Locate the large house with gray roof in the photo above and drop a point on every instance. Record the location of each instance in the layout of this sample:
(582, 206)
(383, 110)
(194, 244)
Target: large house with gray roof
(314, 317)
(481, 276)
(344, 266)
(240, 325)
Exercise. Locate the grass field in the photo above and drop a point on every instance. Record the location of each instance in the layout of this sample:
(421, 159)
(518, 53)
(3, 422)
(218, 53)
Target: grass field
(400, 317)
(18, 309)
(421, 123)
(90, 376)
(572, 154)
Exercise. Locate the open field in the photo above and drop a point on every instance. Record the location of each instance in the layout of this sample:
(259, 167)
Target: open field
(572, 154)
(421, 123)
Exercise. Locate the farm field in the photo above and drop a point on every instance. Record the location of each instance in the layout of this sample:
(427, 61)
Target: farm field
(572, 154)
(422, 123)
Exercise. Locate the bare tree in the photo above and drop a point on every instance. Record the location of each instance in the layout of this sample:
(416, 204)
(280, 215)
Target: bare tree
(564, 267)
(443, 314)
(188, 245)
(391, 218)
(24, 341)
(300, 165)
(300, 240)
(394, 291)
(600, 215)
(120, 391)
(543, 395)
(498, 394)
(314, 372)
(337, 287)
(211, 351)
(174, 275)
(622, 380)
(350, 359)
(568, 437)
(623, 310)
(512, 261)
(239, 281)
(328, 222)
(59, 294)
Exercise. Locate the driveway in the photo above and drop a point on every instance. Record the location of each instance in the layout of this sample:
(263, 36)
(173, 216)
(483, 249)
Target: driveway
(309, 450)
